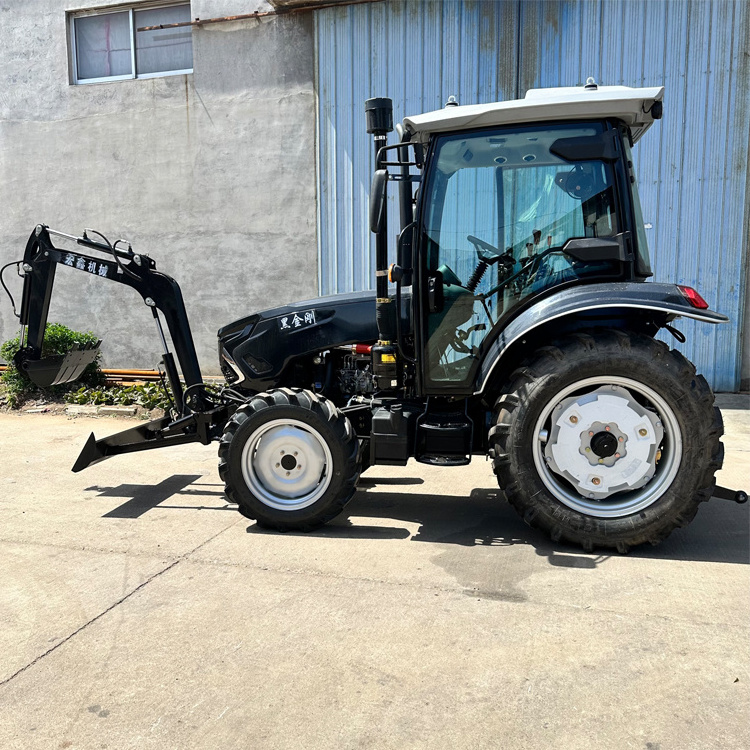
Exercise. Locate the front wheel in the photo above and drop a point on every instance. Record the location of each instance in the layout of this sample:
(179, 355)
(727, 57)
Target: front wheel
(607, 440)
(289, 459)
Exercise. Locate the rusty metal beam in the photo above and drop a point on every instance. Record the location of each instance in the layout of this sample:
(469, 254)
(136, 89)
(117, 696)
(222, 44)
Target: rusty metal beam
(281, 11)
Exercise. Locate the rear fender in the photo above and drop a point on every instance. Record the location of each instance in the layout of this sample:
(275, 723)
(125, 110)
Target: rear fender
(590, 306)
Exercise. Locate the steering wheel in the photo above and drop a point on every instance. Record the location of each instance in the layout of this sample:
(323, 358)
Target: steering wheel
(485, 252)
(488, 255)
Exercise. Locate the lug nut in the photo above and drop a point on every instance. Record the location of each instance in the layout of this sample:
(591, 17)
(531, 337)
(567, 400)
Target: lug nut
(282, 452)
(617, 455)
(574, 419)
(607, 428)
(588, 450)
(277, 465)
(287, 473)
(596, 481)
(591, 434)
(295, 453)
(643, 432)
(620, 439)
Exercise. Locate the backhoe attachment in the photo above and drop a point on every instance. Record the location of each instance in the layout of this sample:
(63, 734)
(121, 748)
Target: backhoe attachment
(196, 414)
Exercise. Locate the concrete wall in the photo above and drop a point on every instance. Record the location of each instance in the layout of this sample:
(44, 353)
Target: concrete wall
(212, 173)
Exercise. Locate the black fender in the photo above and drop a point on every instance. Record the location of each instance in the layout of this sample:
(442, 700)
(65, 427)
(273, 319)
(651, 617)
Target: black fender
(663, 302)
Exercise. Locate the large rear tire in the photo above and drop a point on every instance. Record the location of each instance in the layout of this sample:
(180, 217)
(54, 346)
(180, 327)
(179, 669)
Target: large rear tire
(607, 440)
(289, 459)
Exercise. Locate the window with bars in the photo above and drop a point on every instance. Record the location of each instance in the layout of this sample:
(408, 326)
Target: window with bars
(111, 45)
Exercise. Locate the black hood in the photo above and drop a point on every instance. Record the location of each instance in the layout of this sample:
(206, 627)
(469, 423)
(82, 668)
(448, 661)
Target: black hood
(255, 350)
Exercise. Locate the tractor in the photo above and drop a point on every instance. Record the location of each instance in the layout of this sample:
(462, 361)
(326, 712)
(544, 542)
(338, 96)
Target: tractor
(517, 323)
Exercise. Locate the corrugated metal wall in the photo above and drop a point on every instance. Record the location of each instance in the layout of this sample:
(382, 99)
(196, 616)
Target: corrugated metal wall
(693, 165)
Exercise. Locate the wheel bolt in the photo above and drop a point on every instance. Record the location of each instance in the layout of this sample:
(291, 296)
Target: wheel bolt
(596, 481)
(574, 419)
(282, 452)
(591, 434)
(643, 432)
(607, 428)
(295, 453)
(617, 455)
(287, 473)
(299, 466)
(277, 465)
(588, 450)
(620, 439)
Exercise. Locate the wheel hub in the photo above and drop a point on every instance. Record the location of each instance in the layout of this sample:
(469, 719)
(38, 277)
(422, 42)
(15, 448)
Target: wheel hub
(603, 442)
(284, 464)
(288, 462)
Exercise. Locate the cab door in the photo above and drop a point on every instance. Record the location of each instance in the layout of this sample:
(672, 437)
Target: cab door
(498, 208)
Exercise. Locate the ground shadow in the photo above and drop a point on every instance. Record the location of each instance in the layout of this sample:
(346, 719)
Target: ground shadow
(145, 497)
(719, 532)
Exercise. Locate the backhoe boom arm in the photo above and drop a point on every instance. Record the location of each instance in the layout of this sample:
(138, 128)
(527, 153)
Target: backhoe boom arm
(159, 292)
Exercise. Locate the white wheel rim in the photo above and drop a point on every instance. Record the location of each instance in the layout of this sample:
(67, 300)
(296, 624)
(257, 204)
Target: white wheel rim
(287, 464)
(658, 477)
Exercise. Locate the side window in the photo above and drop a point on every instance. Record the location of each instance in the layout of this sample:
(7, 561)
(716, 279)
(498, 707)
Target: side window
(644, 262)
(122, 45)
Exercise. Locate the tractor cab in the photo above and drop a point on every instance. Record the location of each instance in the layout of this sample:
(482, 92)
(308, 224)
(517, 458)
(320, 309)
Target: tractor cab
(518, 200)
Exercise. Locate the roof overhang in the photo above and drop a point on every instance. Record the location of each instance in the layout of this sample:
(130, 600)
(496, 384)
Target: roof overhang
(631, 105)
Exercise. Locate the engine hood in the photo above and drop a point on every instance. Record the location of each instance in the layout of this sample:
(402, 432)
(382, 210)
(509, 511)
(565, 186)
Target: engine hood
(255, 350)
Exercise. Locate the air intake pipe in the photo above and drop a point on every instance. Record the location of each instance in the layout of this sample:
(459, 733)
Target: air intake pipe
(379, 114)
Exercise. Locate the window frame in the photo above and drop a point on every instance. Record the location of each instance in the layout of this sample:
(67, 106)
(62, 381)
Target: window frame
(131, 10)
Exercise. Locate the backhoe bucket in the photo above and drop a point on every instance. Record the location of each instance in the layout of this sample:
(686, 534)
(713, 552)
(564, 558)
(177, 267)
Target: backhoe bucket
(61, 368)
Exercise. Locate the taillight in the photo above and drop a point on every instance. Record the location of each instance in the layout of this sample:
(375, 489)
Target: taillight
(693, 297)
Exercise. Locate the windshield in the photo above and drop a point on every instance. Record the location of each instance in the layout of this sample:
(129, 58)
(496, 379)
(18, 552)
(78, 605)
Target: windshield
(501, 205)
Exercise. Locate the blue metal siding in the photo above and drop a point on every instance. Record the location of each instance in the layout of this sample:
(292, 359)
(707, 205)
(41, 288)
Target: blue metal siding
(692, 166)
(418, 54)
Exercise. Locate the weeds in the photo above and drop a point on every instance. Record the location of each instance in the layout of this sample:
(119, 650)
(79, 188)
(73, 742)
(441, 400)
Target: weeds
(149, 396)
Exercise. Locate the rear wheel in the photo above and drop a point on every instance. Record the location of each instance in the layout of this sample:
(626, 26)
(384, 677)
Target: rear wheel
(289, 459)
(607, 440)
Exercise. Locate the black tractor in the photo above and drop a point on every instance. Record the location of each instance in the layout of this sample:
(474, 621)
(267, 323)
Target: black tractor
(516, 323)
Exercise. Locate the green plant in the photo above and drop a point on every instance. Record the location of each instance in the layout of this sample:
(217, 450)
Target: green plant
(148, 395)
(58, 339)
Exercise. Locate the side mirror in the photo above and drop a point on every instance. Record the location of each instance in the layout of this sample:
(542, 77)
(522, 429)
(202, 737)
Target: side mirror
(377, 199)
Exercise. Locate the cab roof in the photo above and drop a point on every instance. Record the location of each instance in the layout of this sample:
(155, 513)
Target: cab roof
(631, 105)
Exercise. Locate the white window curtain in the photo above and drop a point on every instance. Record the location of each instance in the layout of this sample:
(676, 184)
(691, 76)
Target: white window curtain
(103, 45)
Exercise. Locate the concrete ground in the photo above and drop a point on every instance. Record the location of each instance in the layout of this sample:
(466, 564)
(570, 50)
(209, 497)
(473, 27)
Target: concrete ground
(138, 610)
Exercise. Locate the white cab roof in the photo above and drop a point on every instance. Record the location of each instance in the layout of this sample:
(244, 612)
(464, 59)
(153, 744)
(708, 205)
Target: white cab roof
(632, 106)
